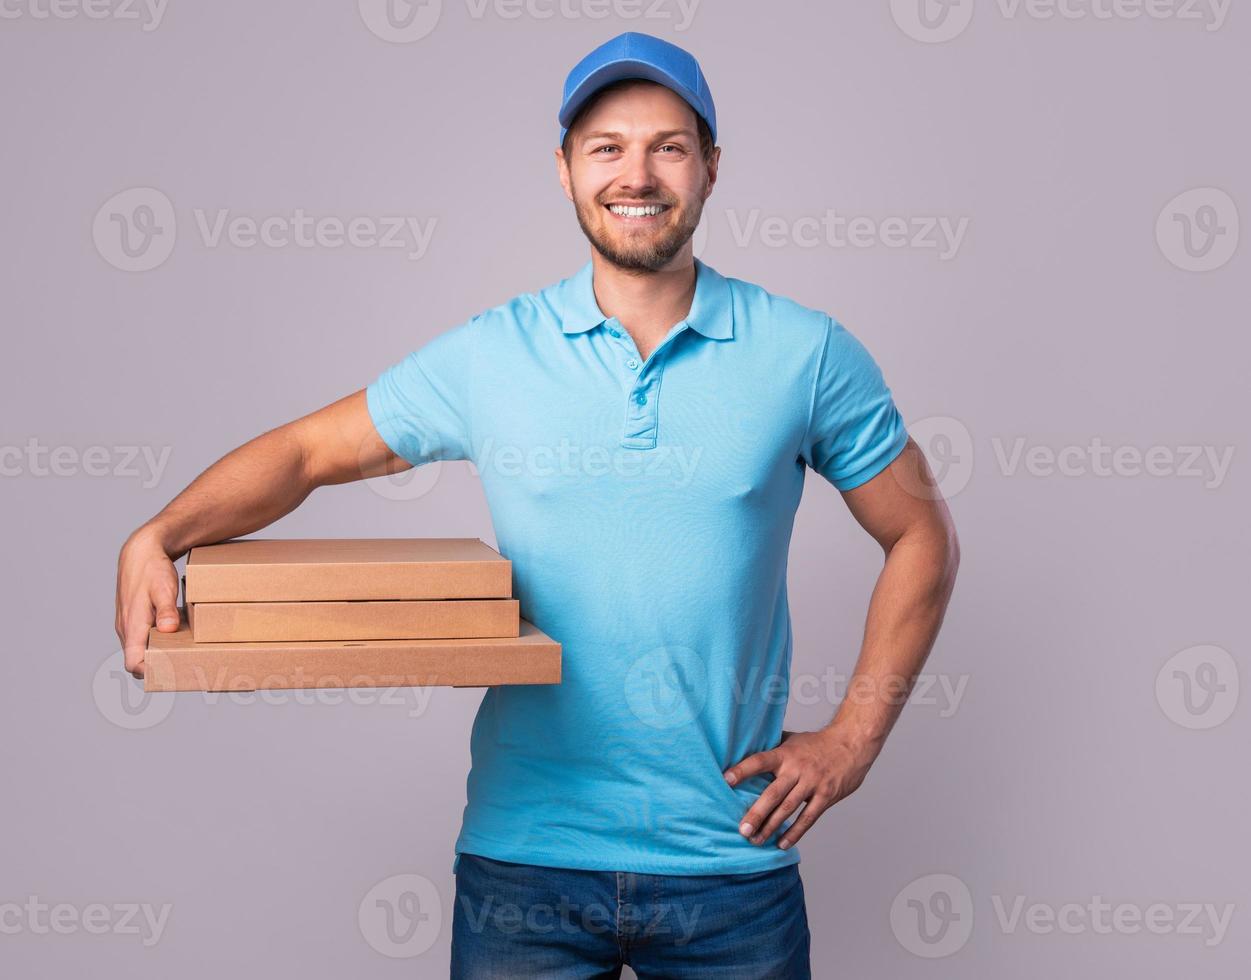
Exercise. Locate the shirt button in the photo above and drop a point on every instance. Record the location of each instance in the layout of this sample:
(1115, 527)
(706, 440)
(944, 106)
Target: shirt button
(632, 363)
(614, 333)
(640, 399)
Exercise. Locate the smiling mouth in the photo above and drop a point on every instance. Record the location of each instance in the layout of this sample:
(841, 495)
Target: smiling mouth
(637, 212)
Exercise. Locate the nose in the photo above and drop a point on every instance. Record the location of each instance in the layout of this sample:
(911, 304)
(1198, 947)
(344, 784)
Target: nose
(637, 174)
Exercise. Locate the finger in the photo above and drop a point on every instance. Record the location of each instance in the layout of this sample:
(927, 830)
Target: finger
(814, 808)
(138, 621)
(119, 620)
(165, 599)
(765, 805)
(794, 799)
(753, 764)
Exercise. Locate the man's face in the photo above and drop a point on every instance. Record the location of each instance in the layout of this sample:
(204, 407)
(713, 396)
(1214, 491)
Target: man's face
(636, 176)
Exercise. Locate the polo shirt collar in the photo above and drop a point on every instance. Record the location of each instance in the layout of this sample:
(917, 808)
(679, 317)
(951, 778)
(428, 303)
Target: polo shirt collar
(712, 311)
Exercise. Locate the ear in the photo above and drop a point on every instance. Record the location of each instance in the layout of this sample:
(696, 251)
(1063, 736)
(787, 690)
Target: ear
(562, 173)
(713, 163)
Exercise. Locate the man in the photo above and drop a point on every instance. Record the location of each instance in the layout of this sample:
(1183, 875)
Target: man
(641, 430)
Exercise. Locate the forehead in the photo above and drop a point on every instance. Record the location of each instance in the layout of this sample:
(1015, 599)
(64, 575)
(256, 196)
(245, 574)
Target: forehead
(638, 105)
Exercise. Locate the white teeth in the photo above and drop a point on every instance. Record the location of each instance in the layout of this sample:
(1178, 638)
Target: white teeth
(632, 212)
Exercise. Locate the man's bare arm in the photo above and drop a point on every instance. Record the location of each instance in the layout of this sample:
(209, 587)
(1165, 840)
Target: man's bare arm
(907, 516)
(244, 491)
(904, 512)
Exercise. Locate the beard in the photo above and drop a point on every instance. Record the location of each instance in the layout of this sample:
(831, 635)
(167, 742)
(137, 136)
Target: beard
(640, 252)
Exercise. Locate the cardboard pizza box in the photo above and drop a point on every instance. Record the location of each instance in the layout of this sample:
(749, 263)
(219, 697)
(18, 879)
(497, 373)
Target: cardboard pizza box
(360, 619)
(340, 569)
(176, 662)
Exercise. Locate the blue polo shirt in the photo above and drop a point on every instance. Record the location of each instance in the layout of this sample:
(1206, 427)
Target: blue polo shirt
(647, 507)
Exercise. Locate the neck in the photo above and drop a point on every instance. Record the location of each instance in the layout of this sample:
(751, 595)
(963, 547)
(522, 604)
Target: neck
(646, 303)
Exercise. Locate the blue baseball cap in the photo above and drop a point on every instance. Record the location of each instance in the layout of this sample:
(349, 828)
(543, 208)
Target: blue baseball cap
(634, 55)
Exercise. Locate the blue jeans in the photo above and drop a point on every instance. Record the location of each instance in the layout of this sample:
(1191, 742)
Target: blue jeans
(522, 920)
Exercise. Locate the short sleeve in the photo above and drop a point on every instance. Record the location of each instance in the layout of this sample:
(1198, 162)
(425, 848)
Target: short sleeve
(854, 429)
(422, 405)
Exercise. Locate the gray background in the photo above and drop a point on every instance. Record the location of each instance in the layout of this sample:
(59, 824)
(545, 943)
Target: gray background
(1072, 765)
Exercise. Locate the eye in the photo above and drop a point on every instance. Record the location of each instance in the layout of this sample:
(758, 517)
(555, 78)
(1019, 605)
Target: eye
(601, 149)
(675, 147)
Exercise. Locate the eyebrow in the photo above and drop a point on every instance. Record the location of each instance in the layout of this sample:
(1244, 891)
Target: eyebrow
(666, 134)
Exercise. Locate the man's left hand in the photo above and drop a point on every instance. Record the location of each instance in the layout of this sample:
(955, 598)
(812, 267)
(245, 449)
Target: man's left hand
(816, 769)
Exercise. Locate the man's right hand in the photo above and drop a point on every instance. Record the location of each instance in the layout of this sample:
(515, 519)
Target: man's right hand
(247, 489)
(147, 593)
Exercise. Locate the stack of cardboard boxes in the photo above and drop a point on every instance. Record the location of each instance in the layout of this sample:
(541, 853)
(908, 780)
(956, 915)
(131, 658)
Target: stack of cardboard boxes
(365, 612)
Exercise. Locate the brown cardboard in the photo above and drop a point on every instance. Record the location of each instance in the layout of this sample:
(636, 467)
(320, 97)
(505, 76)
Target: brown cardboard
(175, 662)
(336, 569)
(362, 619)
